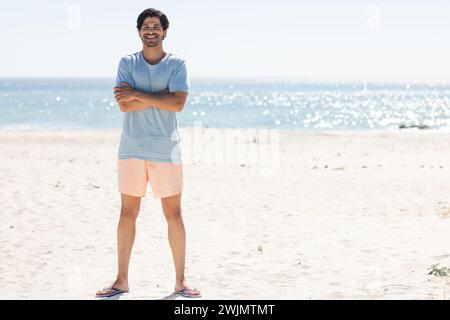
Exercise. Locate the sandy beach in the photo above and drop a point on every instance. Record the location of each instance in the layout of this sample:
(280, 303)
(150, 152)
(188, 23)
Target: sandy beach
(342, 216)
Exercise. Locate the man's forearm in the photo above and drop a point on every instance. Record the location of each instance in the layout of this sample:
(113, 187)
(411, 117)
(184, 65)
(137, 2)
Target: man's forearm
(165, 101)
(134, 105)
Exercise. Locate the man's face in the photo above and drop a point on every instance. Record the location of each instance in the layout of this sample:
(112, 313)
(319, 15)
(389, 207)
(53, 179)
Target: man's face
(151, 32)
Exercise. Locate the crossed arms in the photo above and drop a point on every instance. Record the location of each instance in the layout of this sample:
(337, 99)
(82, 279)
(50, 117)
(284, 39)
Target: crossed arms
(130, 99)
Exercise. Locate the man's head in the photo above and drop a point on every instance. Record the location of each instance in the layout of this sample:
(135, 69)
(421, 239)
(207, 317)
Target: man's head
(152, 25)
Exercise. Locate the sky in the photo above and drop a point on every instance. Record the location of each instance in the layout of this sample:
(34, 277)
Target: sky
(232, 38)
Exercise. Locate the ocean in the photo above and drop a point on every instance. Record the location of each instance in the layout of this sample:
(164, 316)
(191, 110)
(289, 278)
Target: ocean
(284, 104)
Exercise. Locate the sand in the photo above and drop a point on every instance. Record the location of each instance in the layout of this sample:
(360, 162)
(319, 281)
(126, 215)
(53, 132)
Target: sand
(342, 216)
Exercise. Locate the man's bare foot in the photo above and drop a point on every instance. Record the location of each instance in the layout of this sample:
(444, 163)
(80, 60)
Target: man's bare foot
(120, 284)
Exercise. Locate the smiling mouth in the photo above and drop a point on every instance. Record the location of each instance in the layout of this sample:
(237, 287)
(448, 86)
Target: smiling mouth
(151, 37)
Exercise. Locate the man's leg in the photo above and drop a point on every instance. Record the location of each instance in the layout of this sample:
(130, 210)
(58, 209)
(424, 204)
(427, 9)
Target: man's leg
(177, 239)
(126, 231)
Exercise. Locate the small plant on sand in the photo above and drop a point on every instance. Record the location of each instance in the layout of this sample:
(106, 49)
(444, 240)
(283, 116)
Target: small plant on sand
(439, 271)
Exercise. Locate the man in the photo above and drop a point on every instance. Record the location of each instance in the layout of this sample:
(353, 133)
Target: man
(151, 86)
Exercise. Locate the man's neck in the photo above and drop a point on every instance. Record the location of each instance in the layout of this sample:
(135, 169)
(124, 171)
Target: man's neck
(153, 55)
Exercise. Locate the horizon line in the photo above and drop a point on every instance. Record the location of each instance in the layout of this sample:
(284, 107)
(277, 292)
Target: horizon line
(263, 78)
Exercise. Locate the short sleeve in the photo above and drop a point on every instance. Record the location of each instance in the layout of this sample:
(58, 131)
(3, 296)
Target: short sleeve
(179, 80)
(123, 73)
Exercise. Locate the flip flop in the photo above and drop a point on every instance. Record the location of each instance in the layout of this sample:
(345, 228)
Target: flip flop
(184, 293)
(114, 292)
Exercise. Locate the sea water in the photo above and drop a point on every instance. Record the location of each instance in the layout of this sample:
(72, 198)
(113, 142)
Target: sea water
(66, 103)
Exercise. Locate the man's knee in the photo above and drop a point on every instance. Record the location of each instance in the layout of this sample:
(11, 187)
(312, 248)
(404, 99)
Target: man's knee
(129, 213)
(173, 214)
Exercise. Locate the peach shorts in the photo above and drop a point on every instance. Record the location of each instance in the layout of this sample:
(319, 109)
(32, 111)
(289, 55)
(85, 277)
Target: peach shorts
(166, 179)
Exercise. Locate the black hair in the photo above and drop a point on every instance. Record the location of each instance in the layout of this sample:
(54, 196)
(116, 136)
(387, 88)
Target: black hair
(153, 13)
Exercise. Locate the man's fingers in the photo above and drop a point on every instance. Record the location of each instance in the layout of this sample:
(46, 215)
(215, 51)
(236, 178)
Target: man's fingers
(123, 98)
(123, 89)
(123, 85)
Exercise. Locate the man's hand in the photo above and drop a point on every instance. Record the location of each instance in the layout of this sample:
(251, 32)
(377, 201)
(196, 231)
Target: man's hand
(125, 93)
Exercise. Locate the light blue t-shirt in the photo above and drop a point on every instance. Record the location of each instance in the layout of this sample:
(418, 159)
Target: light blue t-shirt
(152, 133)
